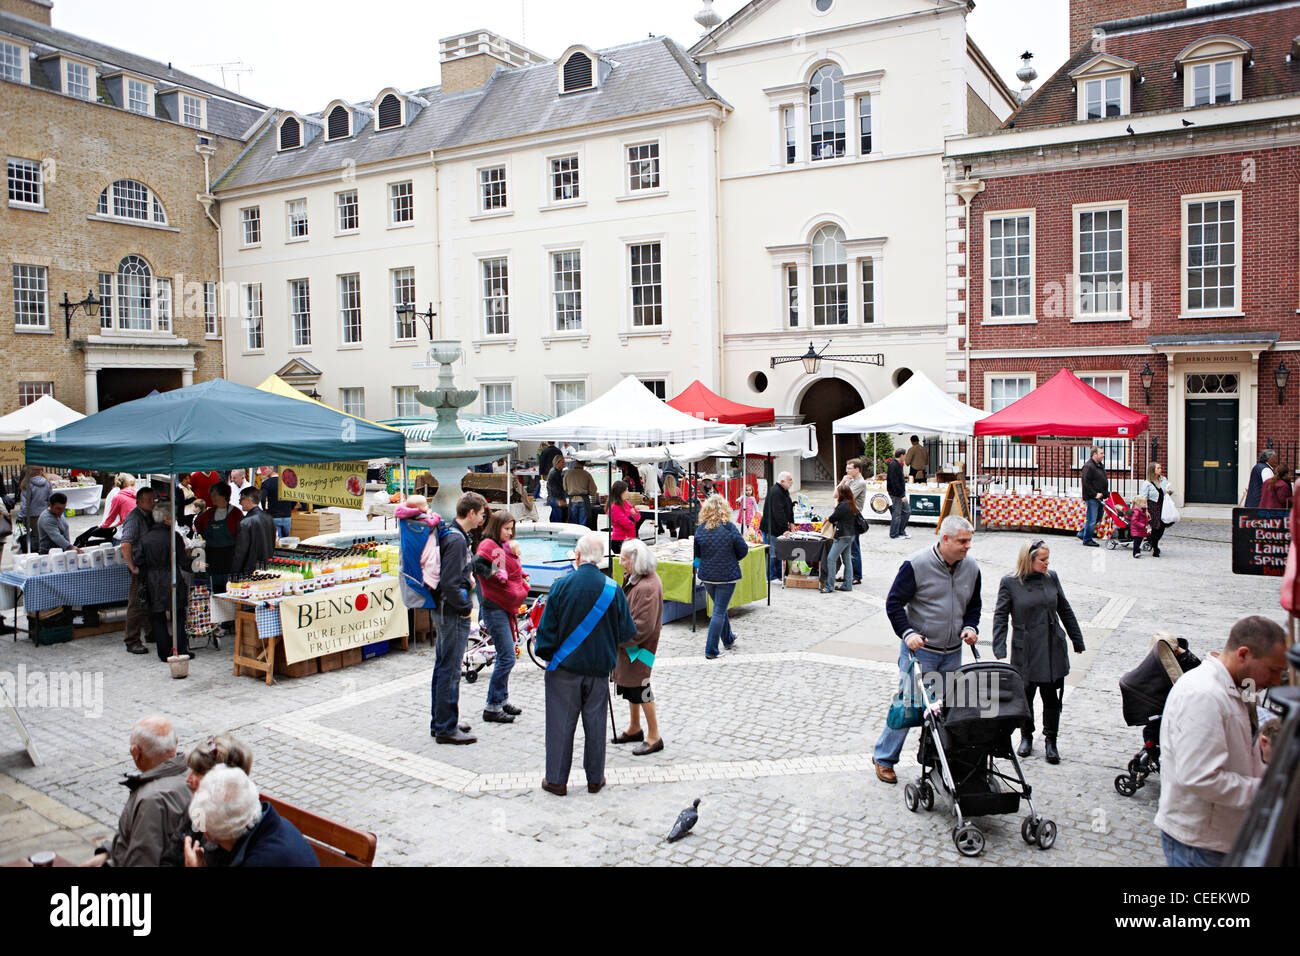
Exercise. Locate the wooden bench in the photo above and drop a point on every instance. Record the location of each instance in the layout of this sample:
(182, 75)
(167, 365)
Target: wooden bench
(334, 843)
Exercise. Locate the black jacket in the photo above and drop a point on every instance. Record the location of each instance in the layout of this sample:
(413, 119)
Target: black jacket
(545, 458)
(845, 520)
(895, 483)
(1035, 605)
(254, 542)
(455, 582)
(153, 557)
(778, 512)
(555, 485)
(1094, 480)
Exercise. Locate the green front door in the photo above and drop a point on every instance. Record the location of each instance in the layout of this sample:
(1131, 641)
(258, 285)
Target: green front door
(1212, 450)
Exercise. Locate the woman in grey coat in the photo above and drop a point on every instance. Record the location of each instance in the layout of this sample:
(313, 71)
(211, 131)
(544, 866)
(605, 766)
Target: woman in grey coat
(1036, 604)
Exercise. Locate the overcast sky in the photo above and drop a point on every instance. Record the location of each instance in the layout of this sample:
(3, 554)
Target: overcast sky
(300, 54)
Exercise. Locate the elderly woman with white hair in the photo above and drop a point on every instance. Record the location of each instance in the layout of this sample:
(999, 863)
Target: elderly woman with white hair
(645, 599)
(247, 831)
(585, 621)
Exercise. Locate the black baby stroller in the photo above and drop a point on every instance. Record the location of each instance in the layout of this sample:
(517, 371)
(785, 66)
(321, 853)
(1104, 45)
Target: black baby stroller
(1143, 692)
(982, 704)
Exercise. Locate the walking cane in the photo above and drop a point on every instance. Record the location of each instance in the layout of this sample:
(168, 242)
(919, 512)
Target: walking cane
(613, 721)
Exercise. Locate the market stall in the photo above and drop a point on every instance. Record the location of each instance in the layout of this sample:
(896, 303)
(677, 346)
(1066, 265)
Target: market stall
(1061, 407)
(684, 595)
(215, 425)
(920, 406)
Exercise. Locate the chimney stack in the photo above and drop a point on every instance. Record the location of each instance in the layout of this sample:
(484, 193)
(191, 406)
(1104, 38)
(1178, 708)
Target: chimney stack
(37, 11)
(1084, 14)
(469, 59)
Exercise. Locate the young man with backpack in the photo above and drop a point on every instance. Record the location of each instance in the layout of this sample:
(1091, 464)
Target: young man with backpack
(455, 601)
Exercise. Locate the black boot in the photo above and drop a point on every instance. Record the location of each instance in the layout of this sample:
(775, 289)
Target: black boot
(1049, 750)
(1026, 744)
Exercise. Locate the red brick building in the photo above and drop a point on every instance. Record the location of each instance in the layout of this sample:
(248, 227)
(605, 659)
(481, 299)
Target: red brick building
(1139, 214)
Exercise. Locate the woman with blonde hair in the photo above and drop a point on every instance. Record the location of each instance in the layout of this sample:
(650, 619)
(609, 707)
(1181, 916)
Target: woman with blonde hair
(121, 501)
(719, 548)
(1155, 488)
(1034, 600)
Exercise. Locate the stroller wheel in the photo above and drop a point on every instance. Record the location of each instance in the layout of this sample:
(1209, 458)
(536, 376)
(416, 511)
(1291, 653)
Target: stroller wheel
(911, 797)
(1113, 543)
(927, 796)
(1046, 834)
(1029, 829)
(1125, 785)
(969, 840)
(471, 676)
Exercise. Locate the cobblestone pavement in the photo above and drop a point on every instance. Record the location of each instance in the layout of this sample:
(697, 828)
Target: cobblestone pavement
(774, 738)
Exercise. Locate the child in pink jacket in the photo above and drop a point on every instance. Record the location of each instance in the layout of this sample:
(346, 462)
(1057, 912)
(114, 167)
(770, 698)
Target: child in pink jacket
(622, 517)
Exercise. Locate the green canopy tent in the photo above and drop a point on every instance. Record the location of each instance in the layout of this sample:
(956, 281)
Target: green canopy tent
(213, 425)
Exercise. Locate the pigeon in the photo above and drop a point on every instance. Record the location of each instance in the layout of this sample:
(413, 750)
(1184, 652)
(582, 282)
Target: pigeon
(1129, 129)
(1188, 123)
(685, 820)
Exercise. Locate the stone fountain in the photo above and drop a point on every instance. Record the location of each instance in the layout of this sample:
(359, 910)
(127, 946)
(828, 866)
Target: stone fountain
(446, 455)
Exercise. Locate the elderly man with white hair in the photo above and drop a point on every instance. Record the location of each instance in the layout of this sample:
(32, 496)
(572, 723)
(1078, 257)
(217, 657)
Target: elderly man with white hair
(778, 518)
(232, 815)
(585, 620)
(158, 801)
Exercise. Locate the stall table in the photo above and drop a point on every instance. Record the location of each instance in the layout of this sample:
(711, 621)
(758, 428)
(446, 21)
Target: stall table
(810, 550)
(81, 588)
(678, 576)
(1039, 511)
(83, 499)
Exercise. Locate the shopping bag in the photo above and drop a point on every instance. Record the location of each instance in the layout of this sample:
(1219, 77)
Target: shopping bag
(905, 712)
(1169, 511)
(198, 619)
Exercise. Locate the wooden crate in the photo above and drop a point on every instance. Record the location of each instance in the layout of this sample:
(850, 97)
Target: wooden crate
(318, 522)
(802, 581)
(330, 662)
(285, 669)
(353, 655)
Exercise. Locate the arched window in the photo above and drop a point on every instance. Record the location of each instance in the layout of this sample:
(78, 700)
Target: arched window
(290, 134)
(826, 112)
(128, 199)
(339, 123)
(390, 112)
(134, 294)
(830, 277)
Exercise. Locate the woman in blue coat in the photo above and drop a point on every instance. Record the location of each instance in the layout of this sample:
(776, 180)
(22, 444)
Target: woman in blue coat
(719, 548)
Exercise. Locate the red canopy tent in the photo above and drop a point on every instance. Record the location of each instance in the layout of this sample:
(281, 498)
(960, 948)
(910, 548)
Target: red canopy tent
(704, 403)
(1065, 406)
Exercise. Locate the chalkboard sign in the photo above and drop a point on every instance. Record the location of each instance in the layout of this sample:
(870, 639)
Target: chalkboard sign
(954, 502)
(1260, 541)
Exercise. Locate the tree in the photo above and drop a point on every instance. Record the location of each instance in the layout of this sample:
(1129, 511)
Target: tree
(876, 452)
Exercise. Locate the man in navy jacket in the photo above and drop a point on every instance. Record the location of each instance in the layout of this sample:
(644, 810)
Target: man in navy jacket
(455, 601)
(934, 605)
(579, 683)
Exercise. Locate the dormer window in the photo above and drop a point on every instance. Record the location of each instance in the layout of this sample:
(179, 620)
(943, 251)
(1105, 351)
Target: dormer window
(194, 111)
(290, 133)
(338, 124)
(1212, 69)
(13, 62)
(1103, 97)
(578, 73)
(78, 79)
(139, 96)
(1104, 87)
(389, 112)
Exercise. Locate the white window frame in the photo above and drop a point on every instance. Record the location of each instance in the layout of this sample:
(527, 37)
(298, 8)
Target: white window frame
(1189, 80)
(1083, 87)
(153, 205)
(550, 201)
(37, 180)
(845, 100)
(339, 228)
(129, 86)
(1236, 309)
(143, 304)
(295, 340)
(482, 211)
(858, 124)
(632, 178)
(481, 280)
(792, 304)
(1077, 211)
(647, 377)
(485, 385)
(553, 398)
(21, 54)
(1119, 451)
(861, 264)
(394, 202)
(408, 409)
(996, 450)
(396, 300)
(350, 408)
(290, 221)
(252, 312)
(184, 100)
(630, 308)
(29, 392)
(162, 310)
(34, 292)
(66, 67)
(556, 292)
(250, 216)
(345, 289)
(107, 281)
(211, 316)
(1032, 317)
(849, 280)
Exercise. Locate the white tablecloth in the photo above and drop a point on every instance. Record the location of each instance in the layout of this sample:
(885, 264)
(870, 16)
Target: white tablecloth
(84, 500)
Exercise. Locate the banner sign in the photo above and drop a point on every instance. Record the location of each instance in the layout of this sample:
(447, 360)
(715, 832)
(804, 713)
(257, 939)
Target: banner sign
(337, 484)
(13, 452)
(1261, 540)
(341, 618)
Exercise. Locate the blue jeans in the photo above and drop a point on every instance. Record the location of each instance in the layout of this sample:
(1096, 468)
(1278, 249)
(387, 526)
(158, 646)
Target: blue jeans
(283, 527)
(453, 633)
(773, 564)
(839, 552)
(577, 511)
(497, 623)
(557, 510)
(890, 744)
(1180, 854)
(857, 557)
(901, 511)
(719, 623)
(1090, 523)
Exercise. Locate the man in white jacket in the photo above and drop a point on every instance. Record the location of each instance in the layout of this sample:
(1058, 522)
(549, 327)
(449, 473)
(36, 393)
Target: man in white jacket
(1211, 760)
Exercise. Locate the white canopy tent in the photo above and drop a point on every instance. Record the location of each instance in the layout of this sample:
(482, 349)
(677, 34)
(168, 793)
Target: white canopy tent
(43, 415)
(782, 439)
(918, 405)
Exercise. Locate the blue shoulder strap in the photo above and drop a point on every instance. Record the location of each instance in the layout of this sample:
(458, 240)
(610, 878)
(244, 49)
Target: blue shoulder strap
(587, 625)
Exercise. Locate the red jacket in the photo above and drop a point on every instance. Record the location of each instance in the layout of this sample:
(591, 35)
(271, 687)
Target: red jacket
(201, 483)
(1276, 494)
(1139, 523)
(509, 594)
(623, 521)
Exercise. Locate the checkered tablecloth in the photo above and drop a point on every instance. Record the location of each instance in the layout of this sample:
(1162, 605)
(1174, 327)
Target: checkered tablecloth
(268, 612)
(71, 588)
(1040, 511)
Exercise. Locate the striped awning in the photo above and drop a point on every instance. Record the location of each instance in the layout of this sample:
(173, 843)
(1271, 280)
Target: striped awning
(473, 427)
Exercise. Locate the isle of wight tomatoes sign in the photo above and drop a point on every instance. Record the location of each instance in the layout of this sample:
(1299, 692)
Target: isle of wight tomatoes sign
(341, 618)
(337, 484)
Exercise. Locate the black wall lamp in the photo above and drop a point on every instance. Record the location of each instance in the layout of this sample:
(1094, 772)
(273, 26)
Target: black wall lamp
(89, 303)
(1280, 376)
(812, 359)
(1147, 376)
(408, 308)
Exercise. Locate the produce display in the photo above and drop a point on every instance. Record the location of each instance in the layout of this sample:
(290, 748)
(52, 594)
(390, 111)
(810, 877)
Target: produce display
(308, 569)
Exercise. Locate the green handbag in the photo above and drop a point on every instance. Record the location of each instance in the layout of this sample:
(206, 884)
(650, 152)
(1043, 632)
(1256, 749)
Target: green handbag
(903, 714)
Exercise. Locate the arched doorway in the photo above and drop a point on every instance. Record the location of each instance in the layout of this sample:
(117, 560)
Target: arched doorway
(823, 403)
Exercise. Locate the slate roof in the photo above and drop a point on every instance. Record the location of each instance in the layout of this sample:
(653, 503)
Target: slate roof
(1267, 25)
(647, 77)
(229, 114)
